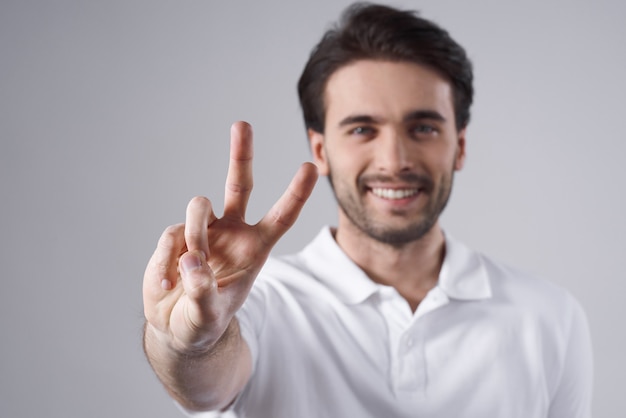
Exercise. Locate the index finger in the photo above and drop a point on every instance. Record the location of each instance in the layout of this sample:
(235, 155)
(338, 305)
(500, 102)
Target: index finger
(239, 179)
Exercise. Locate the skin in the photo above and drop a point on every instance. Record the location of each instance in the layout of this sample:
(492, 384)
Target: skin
(388, 126)
(200, 275)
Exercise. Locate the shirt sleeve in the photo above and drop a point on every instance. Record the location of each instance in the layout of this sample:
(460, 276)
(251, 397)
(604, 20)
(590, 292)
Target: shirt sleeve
(572, 397)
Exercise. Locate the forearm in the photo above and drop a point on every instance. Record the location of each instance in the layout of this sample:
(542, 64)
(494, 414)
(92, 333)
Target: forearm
(205, 380)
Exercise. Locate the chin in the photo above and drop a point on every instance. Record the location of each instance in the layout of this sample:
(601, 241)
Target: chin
(399, 236)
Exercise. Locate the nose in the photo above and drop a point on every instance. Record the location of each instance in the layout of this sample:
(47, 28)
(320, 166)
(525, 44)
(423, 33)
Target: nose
(393, 153)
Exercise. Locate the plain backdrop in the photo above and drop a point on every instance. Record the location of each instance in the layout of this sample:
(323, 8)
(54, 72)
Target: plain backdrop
(113, 114)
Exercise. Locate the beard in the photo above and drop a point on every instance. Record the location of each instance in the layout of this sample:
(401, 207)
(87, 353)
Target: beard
(352, 205)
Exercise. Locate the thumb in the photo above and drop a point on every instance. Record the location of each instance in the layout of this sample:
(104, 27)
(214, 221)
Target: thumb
(197, 277)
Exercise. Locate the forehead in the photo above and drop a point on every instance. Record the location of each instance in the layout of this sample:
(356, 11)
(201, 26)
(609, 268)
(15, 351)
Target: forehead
(386, 89)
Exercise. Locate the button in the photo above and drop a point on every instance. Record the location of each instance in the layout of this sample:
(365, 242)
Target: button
(409, 342)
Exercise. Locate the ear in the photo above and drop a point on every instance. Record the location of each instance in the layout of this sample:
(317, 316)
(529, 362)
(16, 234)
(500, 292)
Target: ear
(316, 142)
(459, 161)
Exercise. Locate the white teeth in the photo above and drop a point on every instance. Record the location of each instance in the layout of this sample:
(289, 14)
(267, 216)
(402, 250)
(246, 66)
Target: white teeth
(394, 193)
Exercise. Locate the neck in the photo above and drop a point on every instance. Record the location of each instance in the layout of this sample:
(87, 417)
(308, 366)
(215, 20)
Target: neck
(412, 269)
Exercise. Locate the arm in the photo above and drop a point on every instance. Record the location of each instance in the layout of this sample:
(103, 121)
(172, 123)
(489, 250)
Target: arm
(205, 380)
(572, 397)
(200, 275)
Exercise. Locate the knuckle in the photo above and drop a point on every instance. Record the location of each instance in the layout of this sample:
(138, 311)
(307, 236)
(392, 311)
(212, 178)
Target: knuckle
(239, 187)
(199, 285)
(281, 219)
(161, 268)
(194, 234)
(170, 235)
(150, 315)
(297, 197)
(199, 202)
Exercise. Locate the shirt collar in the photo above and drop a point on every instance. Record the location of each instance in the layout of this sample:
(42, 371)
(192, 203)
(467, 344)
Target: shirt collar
(463, 275)
(332, 266)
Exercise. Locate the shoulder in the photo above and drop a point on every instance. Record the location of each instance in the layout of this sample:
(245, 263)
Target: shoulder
(310, 270)
(288, 276)
(532, 294)
(507, 278)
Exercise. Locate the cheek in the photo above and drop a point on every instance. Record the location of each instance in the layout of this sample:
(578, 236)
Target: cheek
(449, 155)
(437, 158)
(346, 161)
(440, 166)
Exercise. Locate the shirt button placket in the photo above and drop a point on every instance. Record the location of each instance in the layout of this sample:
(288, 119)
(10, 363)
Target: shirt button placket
(410, 377)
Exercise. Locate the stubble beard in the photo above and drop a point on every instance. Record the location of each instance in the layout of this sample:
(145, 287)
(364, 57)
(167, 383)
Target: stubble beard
(353, 207)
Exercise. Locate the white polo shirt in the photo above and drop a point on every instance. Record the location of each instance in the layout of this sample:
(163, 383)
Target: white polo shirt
(486, 342)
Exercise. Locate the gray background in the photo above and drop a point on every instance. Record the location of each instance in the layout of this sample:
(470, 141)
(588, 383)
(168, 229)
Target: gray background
(113, 114)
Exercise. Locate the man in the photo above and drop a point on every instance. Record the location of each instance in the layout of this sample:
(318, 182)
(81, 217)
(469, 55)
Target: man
(384, 315)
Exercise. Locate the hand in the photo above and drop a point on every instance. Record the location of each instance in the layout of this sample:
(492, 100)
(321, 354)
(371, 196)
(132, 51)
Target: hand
(201, 272)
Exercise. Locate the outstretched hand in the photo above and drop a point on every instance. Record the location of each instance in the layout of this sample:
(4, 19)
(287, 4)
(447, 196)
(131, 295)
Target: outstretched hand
(201, 271)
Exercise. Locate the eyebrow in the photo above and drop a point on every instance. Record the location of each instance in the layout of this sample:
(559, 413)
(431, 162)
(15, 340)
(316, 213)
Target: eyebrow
(424, 114)
(354, 119)
(410, 117)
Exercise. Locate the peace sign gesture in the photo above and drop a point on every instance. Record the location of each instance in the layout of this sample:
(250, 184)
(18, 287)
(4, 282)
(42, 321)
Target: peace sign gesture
(201, 271)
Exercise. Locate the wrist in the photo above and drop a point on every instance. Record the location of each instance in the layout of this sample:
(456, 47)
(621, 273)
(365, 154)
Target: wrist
(157, 340)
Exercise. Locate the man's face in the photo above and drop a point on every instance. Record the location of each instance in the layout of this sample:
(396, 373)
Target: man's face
(390, 148)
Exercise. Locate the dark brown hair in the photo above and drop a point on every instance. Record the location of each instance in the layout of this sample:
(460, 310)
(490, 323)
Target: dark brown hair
(370, 31)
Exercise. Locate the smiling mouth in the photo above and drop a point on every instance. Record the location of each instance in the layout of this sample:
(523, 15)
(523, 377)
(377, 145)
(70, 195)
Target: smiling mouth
(394, 194)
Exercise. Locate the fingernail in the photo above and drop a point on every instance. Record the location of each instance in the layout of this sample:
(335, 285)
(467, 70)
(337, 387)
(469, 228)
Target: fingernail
(191, 262)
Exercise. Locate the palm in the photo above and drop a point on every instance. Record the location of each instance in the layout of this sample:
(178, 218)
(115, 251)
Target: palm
(236, 251)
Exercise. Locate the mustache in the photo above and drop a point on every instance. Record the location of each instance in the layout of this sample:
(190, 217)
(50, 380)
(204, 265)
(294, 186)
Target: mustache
(420, 181)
